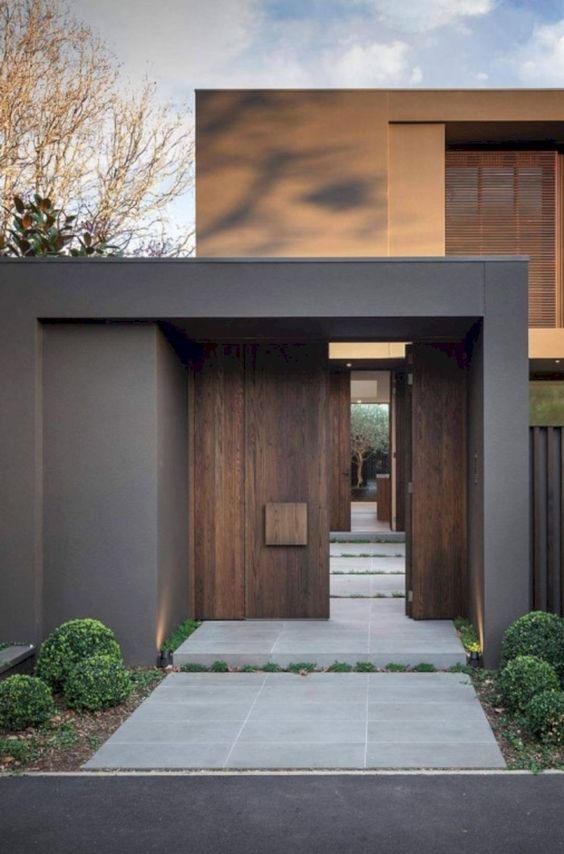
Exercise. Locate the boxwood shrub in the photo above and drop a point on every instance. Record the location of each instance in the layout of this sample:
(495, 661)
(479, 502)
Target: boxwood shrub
(97, 683)
(24, 701)
(545, 716)
(71, 643)
(524, 677)
(539, 634)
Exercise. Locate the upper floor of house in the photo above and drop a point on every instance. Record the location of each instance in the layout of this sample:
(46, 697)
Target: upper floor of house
(414, 172)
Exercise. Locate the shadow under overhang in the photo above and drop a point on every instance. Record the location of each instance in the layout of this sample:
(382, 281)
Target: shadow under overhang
(518, 135)
(323, 329)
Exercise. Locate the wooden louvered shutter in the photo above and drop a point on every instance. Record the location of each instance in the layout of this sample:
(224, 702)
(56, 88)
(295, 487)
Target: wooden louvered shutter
(505, 203)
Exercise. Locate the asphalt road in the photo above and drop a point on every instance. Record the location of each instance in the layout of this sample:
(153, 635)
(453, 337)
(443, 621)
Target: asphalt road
(283, 815)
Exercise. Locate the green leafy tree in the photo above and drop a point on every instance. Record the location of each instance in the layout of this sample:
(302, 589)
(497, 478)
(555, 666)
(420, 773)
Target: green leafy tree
(39, 228)
(369, 433)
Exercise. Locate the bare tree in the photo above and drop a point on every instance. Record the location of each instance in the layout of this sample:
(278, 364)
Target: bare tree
(69, 131)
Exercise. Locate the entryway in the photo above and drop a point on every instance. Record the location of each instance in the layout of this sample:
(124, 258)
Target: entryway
(367, 625)
(270, 474)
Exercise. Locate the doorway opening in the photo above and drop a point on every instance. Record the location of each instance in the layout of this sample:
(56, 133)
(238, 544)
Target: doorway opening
(370, 452)
(367, 559)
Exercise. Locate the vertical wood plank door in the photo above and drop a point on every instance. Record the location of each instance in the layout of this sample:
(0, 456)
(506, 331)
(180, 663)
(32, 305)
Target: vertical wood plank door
(287, 460)
(340, 462)
(218, 483)
(437, 522)
(408, 472)
(400, 424)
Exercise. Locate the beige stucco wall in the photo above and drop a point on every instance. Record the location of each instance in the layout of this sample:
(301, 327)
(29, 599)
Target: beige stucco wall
(335, 172)
(291, 173)
(416, 189)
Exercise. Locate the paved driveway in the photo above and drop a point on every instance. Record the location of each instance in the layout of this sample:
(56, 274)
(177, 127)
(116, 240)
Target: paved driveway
(323, 720)
(395, 814)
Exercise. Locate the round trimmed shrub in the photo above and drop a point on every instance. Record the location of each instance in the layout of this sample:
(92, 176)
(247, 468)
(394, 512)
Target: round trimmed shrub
(97, 683)
(71, 643)
(523, 678)
(537, 633)
(545, 716)
(24, 701)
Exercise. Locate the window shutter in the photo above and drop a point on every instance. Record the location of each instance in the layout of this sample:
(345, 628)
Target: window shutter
(504, 203)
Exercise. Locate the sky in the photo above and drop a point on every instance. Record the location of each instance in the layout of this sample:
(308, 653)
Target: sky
(189, 44)
(185, 45)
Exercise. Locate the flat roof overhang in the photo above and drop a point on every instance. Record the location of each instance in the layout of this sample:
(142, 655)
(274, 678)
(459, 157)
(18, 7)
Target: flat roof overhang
(338, 299)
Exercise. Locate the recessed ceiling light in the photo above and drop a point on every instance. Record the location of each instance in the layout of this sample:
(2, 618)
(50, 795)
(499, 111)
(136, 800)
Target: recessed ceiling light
(359, 401)
(349, 364)
(557, 361)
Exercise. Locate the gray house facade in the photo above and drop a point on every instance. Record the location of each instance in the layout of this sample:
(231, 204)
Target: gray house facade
(155, 412)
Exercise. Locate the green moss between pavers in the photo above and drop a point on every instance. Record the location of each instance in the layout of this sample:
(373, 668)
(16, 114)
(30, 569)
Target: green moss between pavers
(305, 667)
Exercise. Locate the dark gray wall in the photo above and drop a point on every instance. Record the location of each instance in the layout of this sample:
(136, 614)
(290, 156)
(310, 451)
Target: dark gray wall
(172, 448)
(475, 477)
(356, 298)
(114, 547)
(506, 452)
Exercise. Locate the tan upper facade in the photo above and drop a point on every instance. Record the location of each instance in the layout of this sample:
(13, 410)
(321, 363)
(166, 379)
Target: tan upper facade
(387, 173)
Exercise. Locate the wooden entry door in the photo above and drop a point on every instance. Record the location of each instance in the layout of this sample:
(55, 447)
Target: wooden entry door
(436, 459)
(261, 458)
(340, 425)
(286, 462)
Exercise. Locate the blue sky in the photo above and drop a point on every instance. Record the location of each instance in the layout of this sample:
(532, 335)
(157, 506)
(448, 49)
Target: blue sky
(187, 44)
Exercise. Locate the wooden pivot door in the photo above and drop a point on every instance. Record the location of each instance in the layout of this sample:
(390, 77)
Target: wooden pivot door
(260, 461)
(287, 463)
(340, 463)
(436, 507)
(400, 425)
(218, 492)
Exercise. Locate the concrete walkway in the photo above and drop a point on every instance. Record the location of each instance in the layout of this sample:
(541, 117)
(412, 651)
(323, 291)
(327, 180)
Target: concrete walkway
(359, 584)
(374, 630)
(362, 627)
(323, 720)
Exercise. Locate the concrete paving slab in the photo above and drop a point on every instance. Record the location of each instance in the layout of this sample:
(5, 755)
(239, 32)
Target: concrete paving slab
(294, 756)
(367, 549)
(375, 630)
(150, 755)
(461, 755)
(368, 565)
(193, 710)
(323, 720)
(367, 585)
(296, 709)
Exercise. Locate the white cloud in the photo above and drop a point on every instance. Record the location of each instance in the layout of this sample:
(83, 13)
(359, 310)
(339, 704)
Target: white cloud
(371, 64)
(176, 41)
(416, 16)
(541, 59)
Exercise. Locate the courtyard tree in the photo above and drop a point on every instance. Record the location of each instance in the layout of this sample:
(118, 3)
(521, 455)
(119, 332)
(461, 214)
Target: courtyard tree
(70, 130)
(369, 433)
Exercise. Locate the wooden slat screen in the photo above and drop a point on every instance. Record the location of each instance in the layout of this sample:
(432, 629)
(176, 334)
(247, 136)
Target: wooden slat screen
(547, 519)
(504, 203)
